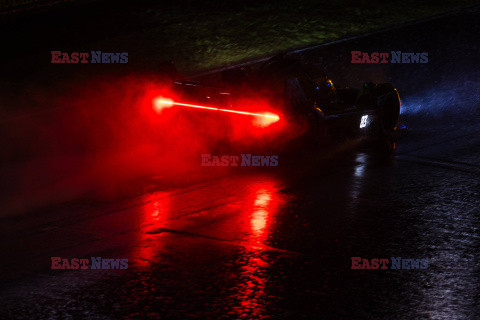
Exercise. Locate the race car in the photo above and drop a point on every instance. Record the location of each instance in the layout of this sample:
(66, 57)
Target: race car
(303, 94)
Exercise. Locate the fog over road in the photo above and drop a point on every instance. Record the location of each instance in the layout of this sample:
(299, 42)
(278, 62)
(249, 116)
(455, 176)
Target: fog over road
(277, 242)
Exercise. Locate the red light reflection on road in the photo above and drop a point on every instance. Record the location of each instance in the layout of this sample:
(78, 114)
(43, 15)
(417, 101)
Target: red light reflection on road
(155, 215)
(250, 293)
(230, 218)
(260, 212)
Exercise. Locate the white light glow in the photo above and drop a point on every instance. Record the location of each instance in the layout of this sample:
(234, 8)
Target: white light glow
(363, 121)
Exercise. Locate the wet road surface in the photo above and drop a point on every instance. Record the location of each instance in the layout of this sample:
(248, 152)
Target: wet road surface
(268, 244)
(278, 243)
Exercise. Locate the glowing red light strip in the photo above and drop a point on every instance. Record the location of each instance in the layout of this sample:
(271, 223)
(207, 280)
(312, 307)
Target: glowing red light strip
(169, 102)
(251, 113)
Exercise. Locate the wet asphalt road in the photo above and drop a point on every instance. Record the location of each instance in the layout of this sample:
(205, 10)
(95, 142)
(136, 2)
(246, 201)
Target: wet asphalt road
(278, 243)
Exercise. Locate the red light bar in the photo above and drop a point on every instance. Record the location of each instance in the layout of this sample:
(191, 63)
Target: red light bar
(162, 103)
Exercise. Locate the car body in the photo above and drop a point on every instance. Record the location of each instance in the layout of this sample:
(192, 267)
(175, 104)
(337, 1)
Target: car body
(304, 95)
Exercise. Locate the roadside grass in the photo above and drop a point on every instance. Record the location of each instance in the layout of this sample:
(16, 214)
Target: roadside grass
(201, 35)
